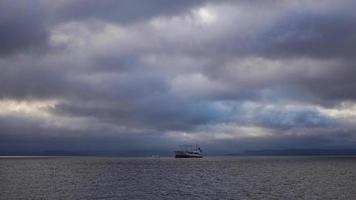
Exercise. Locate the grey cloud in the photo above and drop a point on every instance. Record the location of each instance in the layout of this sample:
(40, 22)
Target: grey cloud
(123, 11)
(311, 34)
(291, 29)
(292, 119)
(176, 75)
(277, 116)
(25, 25)
(315, 139)
(22, 26)
(21, 135)
(161, 112)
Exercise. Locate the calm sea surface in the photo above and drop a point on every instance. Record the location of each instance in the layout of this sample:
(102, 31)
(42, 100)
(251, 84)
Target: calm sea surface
(169, 178)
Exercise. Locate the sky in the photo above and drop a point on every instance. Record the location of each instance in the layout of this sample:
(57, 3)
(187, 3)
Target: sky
(141, 77)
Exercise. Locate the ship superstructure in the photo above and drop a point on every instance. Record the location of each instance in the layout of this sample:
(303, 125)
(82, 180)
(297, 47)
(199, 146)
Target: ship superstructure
(189, 151)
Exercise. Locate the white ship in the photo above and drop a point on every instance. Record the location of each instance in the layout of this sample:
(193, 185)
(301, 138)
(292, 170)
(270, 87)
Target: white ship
(189, 151)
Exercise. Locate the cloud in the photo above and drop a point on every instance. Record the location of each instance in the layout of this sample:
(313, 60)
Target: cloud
(78, 75)
(22, 26)
(123, 11)
(307, 31)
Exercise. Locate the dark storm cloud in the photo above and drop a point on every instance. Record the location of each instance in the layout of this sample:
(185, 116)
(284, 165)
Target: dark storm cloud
(25, 25)
(282, 29)
(323, 31)
(36, 77)
(312, 33)
(22, 26)
(161, 112)
(23, 136)
(135, 74)
(306, 119)
(319, 139)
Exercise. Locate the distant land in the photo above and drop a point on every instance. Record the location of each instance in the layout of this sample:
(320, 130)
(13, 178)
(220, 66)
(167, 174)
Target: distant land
(45, 153)
(265, 152)
(297, 152)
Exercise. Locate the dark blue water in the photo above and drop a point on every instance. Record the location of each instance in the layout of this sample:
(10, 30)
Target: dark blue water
(169, 178)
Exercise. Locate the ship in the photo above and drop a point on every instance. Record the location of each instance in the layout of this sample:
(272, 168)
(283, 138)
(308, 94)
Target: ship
(189, 151)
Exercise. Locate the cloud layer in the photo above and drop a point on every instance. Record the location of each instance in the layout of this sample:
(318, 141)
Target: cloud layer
(132, 76)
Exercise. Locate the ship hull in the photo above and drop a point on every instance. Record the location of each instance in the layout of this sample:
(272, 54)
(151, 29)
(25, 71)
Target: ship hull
(184, 154)
(188, 156)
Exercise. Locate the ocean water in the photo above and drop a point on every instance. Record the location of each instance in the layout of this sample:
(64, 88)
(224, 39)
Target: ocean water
(169, 178)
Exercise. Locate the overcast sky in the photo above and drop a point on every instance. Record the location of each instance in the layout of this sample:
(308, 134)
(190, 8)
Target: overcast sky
(141, 77)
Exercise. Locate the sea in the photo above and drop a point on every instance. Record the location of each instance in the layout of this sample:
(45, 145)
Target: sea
(169, 178)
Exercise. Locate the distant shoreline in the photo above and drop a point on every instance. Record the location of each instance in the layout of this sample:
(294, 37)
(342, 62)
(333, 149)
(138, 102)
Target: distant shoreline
(297, 152)
(266, 152)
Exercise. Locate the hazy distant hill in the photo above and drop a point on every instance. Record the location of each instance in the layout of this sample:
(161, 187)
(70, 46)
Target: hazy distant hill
(301, 152)
(44, 153)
